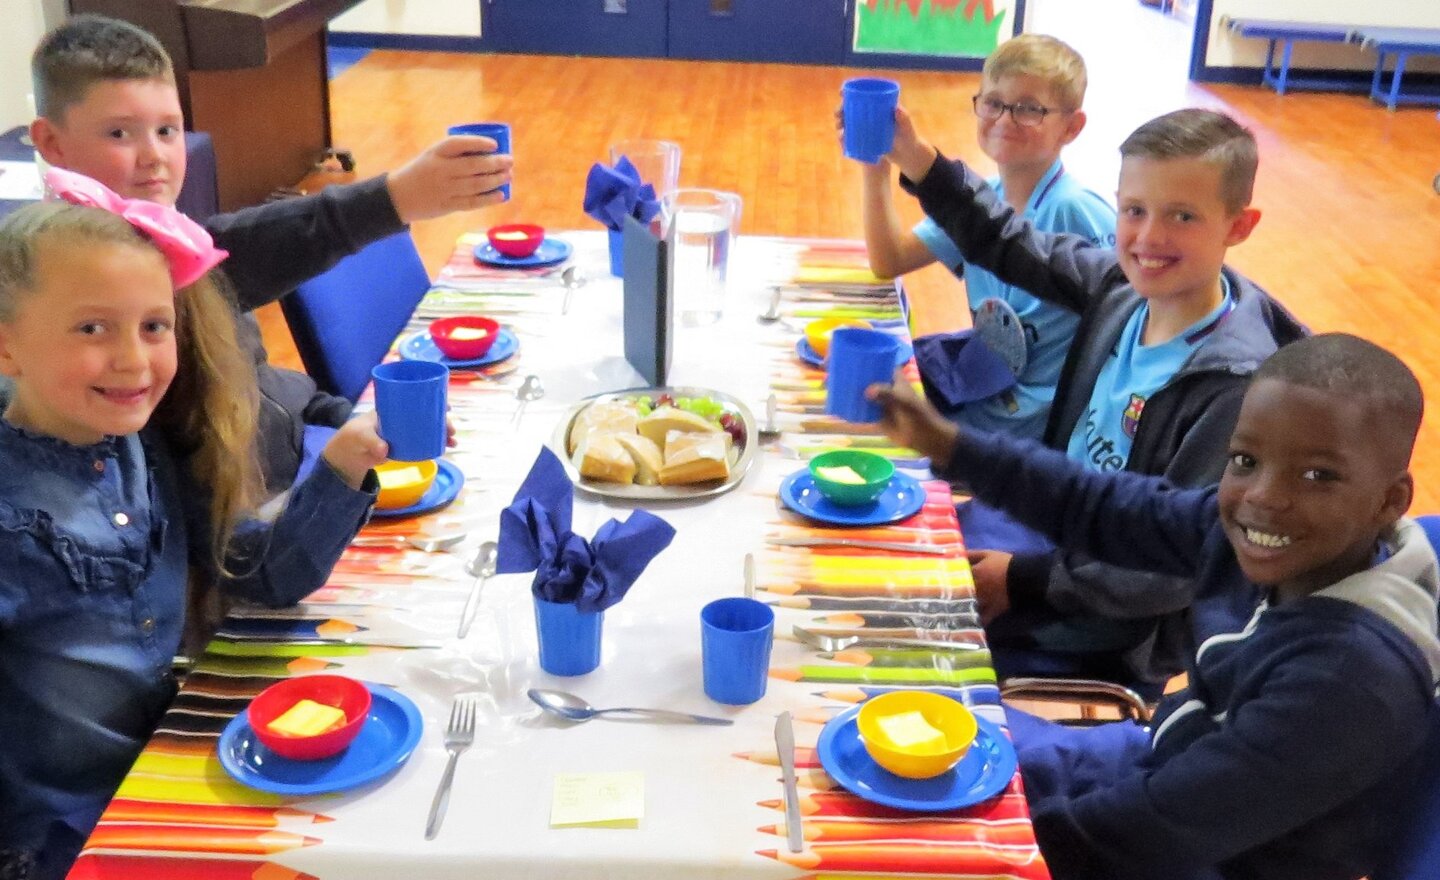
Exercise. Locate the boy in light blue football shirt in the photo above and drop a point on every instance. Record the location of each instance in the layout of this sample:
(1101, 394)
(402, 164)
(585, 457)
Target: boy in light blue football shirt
(1027, 110)
(1104, 437)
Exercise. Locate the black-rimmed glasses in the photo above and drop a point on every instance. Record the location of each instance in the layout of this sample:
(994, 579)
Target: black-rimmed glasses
(1028, 115)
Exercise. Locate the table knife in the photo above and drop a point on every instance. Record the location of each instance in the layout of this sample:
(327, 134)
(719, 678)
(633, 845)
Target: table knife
(785, 746)
(900, 546)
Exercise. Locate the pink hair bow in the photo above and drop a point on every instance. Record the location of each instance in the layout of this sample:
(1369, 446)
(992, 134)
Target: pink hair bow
(185, 244)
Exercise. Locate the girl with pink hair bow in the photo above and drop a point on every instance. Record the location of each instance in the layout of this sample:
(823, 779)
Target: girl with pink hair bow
(126, 463)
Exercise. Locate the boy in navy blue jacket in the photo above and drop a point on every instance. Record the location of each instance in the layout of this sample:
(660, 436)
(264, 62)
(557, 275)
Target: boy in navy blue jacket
(1314, 611)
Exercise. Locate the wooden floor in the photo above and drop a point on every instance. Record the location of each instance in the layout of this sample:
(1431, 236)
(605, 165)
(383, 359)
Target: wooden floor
(1350, 236)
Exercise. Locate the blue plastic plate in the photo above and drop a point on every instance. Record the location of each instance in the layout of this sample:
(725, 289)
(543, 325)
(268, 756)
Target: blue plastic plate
(550, 252)
(984, 772)
(807, 353)
(902, 498)
(421, 347)
(384, 743)
(447, 485)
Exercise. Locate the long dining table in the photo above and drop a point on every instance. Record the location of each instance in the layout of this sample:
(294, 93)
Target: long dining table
(712, 796)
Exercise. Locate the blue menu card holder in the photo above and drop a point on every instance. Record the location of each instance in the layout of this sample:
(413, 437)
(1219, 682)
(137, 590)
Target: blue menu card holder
(648, 309)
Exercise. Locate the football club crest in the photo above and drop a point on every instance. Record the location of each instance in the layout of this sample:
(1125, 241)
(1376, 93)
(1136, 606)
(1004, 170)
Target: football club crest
(1130, 419)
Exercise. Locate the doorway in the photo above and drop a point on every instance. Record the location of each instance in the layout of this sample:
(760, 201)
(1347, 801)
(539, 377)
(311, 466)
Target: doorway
(1138, 62)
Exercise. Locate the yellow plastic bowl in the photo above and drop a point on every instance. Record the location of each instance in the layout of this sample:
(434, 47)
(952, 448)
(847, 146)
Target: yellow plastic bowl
(915, 734)
(403, 483)
(817, 333)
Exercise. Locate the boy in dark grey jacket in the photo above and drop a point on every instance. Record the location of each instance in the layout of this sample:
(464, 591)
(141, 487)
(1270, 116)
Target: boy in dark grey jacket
(1166, 341)
(1314, 609)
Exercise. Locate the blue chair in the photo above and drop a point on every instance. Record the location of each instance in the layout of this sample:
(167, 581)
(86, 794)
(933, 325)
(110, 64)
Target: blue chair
(344, 320)
(1430, 522)
(1414, 853)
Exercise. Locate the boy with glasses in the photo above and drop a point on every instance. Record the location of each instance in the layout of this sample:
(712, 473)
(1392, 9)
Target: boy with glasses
(1027, 110)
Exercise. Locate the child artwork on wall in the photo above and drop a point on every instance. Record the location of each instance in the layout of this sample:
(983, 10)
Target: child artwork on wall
(955, 28)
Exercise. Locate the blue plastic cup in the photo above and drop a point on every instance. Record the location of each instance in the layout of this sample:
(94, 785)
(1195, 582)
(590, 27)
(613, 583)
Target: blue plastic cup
(569, 637)
(735, 639)
(868, 107)
(496, 131)
(858, 359)
(410, 403)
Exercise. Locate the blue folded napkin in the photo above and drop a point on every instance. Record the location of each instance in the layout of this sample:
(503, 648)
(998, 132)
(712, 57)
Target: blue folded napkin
(960, 368)
(612, 194)
(593, 575)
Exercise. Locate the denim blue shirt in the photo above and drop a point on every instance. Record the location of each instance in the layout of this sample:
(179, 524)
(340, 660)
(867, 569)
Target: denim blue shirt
(95, 546)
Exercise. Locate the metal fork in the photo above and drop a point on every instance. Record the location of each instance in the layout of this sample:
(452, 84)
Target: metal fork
(459, 734)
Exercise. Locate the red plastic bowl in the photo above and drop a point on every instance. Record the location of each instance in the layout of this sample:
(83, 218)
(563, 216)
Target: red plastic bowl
(516, 240)
(457, 337)
(346, 694)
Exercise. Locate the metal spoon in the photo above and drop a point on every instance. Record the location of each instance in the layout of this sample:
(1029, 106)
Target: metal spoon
(483, 567)
(530, 389)
(574, 708)
(772, 314)
(573, 281)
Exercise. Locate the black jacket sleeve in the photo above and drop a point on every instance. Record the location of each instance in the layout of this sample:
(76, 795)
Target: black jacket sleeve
(276, 246)
(1075, 583)
(1123, 519)
(1061, 268)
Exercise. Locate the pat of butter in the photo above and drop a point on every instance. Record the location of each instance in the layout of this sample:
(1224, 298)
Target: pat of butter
(390, 479)
(910, 731)
(307, 718)
(512, 236)
(843, 474)
(467, 333)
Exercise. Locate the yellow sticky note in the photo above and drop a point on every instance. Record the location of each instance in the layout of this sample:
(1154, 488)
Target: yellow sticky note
(598, 800)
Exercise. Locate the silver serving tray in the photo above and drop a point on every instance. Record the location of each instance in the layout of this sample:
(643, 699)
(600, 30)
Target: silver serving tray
(661, 493)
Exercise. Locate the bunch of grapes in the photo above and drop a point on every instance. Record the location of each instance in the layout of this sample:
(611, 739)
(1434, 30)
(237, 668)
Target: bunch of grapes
(705, 407)
(734, 427)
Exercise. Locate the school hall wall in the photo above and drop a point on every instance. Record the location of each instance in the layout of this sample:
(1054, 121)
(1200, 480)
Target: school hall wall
(26, 21)
(431, 18)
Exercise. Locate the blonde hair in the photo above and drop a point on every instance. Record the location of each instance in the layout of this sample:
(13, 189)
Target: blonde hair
(1045, 58)
(208, 415)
